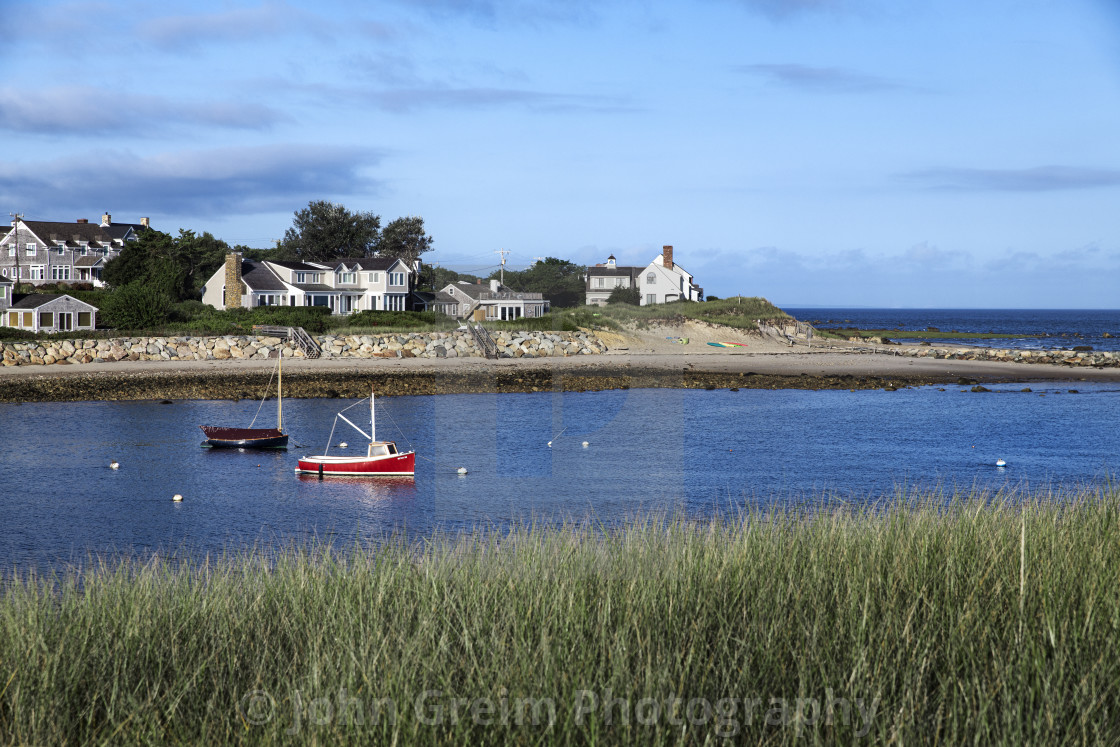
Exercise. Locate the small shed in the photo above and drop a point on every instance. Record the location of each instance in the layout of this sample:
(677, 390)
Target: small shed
(49, 312)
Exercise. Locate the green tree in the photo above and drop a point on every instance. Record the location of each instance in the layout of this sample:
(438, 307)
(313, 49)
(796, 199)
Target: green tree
(559, 280)
(405, 238)
(629, 295)
(138, 305)
(178, 266)
(324, 231)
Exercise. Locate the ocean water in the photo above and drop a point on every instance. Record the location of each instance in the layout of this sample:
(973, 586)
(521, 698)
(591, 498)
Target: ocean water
(649, 452)
(1065, 328)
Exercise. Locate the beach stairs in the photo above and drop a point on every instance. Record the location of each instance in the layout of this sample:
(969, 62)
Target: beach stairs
(298, 335)
(789, 332)
(484, 341)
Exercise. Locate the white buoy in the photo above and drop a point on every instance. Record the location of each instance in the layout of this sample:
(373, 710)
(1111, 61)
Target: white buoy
(585, 444)
(550, 444)
(343, 445)
(1001, 463)
(176, 497)
(462, 470)
(114, 465)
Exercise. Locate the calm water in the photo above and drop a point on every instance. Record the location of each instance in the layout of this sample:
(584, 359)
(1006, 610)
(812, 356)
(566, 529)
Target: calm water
(649, 451)
(1064, 328)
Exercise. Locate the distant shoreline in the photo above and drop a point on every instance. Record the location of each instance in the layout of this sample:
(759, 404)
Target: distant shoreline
(790, 369)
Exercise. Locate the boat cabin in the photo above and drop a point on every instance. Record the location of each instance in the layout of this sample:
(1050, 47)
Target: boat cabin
(382, 448)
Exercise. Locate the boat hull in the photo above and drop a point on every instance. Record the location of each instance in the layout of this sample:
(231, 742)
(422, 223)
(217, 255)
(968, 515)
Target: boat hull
(393, 464)
(244, 438)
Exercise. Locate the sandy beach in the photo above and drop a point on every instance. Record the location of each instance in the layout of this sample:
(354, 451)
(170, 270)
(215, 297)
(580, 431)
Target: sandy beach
(635, 359)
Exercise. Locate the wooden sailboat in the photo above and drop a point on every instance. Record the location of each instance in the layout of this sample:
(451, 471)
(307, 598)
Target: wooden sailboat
(381, 457)
(221, 437)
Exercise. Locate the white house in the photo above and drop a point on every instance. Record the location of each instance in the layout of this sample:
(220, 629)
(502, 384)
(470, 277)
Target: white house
(40, 252)
(661, 281)
(491, 302)
(47, 312)
(345, 285)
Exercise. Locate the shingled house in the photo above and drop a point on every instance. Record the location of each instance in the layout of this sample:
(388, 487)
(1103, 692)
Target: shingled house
(41, 252)
(661, 281)
(44, 312)
(345, 285)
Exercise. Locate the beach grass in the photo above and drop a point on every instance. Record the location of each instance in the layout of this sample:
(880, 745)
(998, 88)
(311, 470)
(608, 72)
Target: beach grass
(982, 619)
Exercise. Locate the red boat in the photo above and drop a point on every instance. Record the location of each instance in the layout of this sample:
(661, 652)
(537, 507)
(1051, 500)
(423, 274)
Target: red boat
(381, 458)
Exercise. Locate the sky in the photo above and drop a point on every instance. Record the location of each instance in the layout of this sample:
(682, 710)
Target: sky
(954, 154)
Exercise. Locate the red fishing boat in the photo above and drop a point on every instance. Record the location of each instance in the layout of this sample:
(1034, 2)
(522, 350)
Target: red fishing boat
(382, 458)
(223, 437)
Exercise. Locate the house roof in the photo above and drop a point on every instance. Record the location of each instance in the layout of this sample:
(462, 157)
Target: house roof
(120, 230)
(88, 261)
(259, 277)
(617, 271)
(366, 264)
(473, 291)
(290, 264)
(51, 231)
(37, 300)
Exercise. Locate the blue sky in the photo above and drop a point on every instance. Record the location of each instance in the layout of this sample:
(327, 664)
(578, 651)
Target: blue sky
(815, 152)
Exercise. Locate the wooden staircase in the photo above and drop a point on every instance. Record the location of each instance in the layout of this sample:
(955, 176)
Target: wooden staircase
(298, 335)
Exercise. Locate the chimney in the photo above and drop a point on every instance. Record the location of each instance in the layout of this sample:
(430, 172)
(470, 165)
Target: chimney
(493, 285)
(233, 280)
(144, 223)
(83, 220)
(667, 257)
(106, 219)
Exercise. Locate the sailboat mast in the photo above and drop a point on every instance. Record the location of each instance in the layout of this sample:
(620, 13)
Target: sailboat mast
(372, 421)
(279, 394)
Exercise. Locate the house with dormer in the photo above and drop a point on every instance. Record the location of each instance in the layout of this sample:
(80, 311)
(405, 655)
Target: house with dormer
(345, 286)
(41, 252)
(661, 281)
(491, 301)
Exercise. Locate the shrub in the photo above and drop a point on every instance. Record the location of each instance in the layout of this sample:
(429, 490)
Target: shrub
(136, 306)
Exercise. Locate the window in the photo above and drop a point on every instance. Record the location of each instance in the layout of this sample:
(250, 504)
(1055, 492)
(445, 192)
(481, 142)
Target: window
(396, 278)
(28, 319)
(11, 250)
(60, 249)
(375, 277)
(651, 278)
(65, 321)
(13, 318)
(600, 282)
(651, 298)
(394, 303)
(85, 319)
(60, 272)
(38, 272)
(46, 320)
(347, 278)
(3, 291)
(307, 277)
(30, 249)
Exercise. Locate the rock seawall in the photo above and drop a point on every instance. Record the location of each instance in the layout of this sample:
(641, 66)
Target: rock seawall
(456, 344)
(1099, 359)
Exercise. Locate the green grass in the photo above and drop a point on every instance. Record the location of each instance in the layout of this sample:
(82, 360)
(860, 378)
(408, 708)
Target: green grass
(984, 620)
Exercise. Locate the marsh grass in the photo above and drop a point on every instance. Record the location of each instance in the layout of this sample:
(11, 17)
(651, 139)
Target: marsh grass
(987, 620)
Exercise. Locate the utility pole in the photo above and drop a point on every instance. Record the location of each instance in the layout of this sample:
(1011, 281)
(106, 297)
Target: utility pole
(16, 218)
(502, 273)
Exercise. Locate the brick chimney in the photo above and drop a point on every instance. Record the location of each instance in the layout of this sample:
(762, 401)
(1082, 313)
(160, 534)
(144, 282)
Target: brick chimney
(83, 220)
(106, 219)
(144, 223)
(233, 280)
(667, 257)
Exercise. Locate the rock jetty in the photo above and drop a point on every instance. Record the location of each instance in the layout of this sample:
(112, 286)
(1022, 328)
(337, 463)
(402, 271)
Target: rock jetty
(1098, 359)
